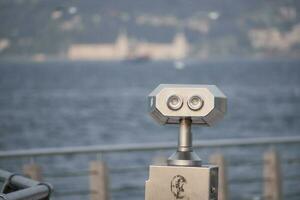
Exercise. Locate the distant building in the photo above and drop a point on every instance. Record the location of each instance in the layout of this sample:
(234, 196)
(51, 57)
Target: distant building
(273, 39)
(122, 49)
(114, 51)
(178, 49)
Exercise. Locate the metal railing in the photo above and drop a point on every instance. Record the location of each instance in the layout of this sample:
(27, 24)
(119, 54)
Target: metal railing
(17, 187)
(79, 189)
(148, 146)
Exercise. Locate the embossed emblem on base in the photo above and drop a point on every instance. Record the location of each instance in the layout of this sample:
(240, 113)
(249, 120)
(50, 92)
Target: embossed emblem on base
(177, 186)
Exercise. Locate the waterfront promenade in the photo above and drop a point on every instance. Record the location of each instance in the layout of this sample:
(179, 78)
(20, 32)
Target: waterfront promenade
(271, 183)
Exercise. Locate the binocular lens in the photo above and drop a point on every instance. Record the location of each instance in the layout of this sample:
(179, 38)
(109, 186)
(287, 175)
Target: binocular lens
(195, 102)
(174, 102)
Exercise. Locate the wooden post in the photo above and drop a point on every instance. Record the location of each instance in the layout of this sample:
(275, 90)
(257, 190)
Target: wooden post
(272, 176)
(99, 181)
(218, 159)
(33, 171)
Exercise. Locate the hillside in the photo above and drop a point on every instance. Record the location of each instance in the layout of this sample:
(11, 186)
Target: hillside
(215, 28)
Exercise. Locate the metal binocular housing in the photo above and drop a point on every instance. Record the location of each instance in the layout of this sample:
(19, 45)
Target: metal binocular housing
(186, 105)
(203, 104)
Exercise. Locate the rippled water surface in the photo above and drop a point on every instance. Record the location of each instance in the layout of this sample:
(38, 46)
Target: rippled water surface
(59, 104)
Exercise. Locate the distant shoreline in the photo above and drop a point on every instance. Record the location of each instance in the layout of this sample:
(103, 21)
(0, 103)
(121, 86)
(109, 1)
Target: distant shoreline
(187, 60)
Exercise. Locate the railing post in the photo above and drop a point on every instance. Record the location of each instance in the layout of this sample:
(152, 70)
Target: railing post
(33, 171)
(272, 176)
(218, 159)
(99, 181)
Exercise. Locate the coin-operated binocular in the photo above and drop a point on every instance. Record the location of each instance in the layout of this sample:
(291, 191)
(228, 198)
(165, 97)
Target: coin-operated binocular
(184, 177)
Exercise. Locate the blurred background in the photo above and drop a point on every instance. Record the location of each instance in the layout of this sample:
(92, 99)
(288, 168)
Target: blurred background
(77, 73)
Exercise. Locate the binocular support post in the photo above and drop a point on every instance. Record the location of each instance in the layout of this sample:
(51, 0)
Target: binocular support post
(184, 177)
(185, 155)
(185, 136)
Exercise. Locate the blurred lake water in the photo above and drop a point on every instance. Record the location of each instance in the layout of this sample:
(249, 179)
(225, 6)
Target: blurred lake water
(59, 104)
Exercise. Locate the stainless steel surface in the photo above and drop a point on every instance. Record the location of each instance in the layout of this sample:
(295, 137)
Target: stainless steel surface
(17, 180)
(186, 104)
(187, 183)
(185, 135)
(184, 156)
(38, 192)
(184, 177)
(257, 141)
(17, 187)
(211, 109)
